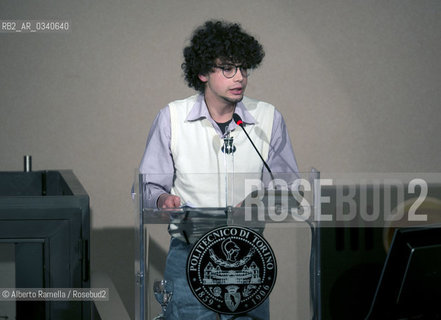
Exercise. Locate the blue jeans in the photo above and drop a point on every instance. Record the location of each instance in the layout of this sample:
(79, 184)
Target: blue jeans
(184, 305)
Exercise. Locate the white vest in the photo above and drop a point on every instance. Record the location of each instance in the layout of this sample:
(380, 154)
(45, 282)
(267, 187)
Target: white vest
(205, 176)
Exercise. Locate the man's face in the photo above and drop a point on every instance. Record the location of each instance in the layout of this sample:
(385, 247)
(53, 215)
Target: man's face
(220, 88)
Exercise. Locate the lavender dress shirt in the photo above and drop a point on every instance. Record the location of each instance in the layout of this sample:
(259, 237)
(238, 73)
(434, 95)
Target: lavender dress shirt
(157, 161)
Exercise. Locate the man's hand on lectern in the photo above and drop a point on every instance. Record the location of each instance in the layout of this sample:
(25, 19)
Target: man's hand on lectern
(168, 201)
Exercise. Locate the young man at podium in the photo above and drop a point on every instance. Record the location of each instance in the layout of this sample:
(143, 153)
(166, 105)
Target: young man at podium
(198, 135)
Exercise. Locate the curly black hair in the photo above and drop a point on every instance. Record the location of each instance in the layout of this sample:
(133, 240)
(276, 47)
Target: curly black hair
(219, 40)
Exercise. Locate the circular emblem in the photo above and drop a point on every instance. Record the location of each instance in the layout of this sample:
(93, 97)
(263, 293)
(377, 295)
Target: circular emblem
(231, 269)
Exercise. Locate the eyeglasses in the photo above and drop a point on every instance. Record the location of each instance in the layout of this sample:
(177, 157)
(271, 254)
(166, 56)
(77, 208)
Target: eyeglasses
(230, 70)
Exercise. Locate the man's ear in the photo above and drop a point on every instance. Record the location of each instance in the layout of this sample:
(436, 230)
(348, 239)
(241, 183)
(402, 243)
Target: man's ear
(203, 78)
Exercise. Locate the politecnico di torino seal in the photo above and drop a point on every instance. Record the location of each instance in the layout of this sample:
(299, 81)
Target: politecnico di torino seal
(231, 269)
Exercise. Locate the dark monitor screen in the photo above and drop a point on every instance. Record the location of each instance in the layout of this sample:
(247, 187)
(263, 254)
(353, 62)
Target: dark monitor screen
(410, 283)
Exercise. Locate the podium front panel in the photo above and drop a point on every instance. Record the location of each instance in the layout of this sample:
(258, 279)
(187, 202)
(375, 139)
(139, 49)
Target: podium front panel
(280, 210)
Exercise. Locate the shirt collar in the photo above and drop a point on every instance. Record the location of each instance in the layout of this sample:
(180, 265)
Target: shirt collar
(200, 111)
